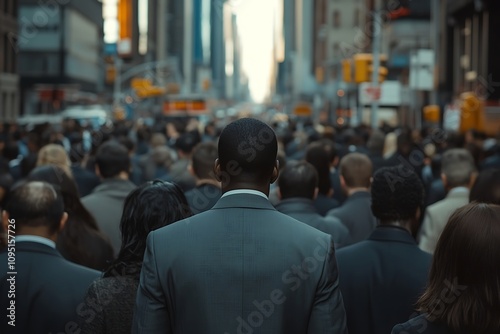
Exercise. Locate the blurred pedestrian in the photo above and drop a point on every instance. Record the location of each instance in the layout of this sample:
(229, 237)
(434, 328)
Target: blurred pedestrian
(463, 293)
(110, 300)
(80, 241)
(382, 277)
(46, 290)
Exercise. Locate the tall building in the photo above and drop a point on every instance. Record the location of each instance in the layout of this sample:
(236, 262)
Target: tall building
(9, 78)
(469, 55)
(60, 53)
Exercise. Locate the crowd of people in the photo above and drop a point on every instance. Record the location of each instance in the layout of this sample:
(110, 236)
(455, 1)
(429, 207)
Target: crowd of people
(244, 225)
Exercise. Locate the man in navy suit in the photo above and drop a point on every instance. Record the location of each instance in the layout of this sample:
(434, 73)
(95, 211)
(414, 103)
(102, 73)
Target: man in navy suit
(44, 290)
(355, 213)
(298, 186)
(382, 277)
(242, 266)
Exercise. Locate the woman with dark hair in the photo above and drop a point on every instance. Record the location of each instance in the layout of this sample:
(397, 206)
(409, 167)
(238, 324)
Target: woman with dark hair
(110, 300)
(463, 293)
(486, 188)
(80, 241)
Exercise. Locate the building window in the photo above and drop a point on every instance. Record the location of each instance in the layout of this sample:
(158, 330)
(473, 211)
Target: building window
(336, 19)
(336, 50)
(6, 53)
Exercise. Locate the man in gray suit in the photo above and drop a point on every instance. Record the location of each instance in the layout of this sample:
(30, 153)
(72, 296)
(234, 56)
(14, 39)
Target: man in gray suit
(241, 267)
(298, 186)
(458, 174)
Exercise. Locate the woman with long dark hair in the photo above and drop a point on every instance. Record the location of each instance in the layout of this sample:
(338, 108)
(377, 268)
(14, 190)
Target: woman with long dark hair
(463, 293)
(80, 241)
(110, 300)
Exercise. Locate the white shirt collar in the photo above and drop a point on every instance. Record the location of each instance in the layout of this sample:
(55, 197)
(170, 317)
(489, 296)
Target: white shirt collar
(459, 190)
(244, 191)
(36, 238)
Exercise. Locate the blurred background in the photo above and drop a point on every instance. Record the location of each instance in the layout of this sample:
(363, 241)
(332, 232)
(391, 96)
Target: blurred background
(347, 62)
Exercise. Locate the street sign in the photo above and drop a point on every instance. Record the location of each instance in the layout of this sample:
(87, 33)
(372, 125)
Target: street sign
(373, 93)
(422, 70)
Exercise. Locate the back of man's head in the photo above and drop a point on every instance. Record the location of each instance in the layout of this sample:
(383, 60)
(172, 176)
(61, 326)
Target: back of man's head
(112, 158)
(187, 141)
(248, 150)
(457, 166)
(202, 160)
(397, 194)
(35, 204)
(356, 169)
(298, 180)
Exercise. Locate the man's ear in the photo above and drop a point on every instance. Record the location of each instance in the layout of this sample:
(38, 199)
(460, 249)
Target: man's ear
(62, 223)
(217, 170)
(276, 172)
(97, 171)
(191, 170)
(316, 192)
(342, 181)
(445, 181)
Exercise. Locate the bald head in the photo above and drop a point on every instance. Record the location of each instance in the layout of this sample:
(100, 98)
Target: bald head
(35, 204)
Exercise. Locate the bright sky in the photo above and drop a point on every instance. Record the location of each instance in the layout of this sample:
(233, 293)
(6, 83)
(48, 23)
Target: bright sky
(256, 27)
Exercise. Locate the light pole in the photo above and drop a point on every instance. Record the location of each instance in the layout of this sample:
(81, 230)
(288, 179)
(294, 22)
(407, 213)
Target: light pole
(377, 31)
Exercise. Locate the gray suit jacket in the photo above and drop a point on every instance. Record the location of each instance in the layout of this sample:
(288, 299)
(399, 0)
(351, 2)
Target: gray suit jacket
(436, 217)
(105, 203)
(240, 267)
(303, 210)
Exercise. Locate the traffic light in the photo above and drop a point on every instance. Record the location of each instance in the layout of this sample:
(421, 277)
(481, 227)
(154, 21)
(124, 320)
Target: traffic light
(347, 70)
(472, 115)
(363, 68)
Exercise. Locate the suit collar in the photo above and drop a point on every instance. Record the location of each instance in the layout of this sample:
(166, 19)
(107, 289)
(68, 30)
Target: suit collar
(359, 195)
(243, 201)
(392, 233)
(35, 247)
(296, 204)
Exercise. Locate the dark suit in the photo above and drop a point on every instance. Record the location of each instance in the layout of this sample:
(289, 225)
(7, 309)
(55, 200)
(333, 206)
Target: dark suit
(48, 290)
(323, 204)
(203, 197)
(381, 279)
(356, 215)
(303, 210)
(420, 325)
(236, 268)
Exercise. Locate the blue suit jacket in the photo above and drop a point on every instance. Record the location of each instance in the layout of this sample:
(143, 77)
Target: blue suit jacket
(48, 290)
(240, 267)
(381, 279)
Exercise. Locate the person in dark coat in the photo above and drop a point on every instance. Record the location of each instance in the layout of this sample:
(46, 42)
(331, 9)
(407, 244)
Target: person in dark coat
(41, 291)
(382, 277)
(463, 292)
(317, 154)
(109, 303)
(298, 186)
(207, 191)
(241, 266)
(355, 213)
